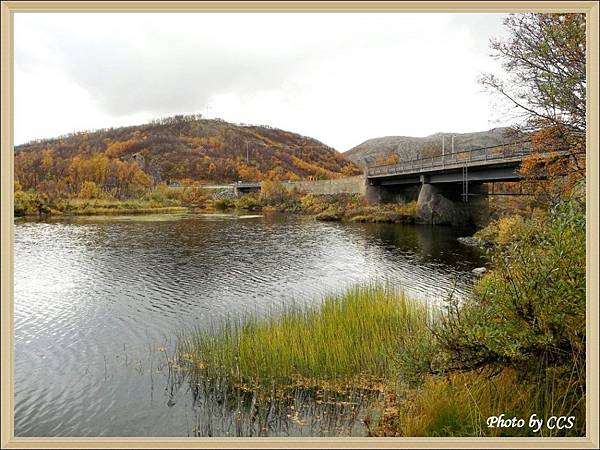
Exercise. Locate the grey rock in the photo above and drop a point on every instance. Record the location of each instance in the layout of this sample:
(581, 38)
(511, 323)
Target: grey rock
(479, 271)
(434, 208)
(471, 241)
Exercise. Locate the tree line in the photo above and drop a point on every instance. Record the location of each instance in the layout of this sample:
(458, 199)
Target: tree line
(124, 162)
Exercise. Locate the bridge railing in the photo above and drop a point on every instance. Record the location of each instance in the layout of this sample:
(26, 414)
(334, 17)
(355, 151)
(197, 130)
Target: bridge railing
(496, 152)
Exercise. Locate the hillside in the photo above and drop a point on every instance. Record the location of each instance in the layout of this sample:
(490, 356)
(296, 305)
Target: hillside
(172, 150)
(380, 150)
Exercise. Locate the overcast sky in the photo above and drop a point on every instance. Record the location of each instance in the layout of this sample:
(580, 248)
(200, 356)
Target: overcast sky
(340, 78)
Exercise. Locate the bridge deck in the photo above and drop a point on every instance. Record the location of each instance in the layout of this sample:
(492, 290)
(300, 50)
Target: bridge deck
(489, 156)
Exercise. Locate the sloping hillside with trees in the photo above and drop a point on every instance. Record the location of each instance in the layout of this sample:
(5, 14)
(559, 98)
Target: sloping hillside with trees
(178, 149)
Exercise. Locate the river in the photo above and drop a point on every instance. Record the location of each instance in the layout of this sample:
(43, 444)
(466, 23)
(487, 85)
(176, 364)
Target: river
(99, 302)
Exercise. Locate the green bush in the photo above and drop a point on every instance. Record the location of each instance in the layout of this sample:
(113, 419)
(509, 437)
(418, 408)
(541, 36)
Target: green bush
(249, 202)
(532, 305)
(162, 194)
(224, 203)
(517, 347)
(30, 203)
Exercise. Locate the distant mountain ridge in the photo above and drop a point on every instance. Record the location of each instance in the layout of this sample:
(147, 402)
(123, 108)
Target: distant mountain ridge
(378, 150)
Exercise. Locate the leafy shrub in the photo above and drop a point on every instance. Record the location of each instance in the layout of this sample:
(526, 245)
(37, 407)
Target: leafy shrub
(163, 194)
(30, 202)
(272, 192)
(194, 196)
(90, 190)
(313, 204)
(531, 307)
(502, 231)
(249, 202)
(224, 203)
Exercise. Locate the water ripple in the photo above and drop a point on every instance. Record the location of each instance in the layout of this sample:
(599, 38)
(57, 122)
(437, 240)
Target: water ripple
(96, 298)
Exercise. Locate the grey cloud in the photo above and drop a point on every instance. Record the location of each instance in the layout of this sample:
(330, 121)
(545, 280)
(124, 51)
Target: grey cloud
(335, 77)
(142, 71)
(126, 82)
(478, 25)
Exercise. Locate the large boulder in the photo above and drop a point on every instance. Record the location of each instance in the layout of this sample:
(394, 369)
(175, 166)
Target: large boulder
(434, 208)
(445, 206)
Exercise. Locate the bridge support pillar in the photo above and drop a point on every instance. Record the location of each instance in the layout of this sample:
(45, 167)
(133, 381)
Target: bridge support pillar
(445, 205)
(372, 193)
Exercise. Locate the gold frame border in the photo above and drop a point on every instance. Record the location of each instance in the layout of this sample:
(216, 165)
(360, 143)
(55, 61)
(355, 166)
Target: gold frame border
(9, 8)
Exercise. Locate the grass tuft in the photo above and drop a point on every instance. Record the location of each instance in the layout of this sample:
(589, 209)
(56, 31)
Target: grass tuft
(360, 334)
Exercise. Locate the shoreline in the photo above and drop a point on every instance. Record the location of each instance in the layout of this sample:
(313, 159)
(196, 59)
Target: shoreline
(328, 212)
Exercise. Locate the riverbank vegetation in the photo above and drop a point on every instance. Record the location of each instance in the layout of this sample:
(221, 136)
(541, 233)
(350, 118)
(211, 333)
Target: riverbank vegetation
(275, 196)
(517, 347)
(93, 200)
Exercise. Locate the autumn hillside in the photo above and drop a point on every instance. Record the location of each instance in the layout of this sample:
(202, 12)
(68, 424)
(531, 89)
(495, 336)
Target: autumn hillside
(173, 150)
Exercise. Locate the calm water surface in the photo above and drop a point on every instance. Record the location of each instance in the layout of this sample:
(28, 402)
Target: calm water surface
(99, 302)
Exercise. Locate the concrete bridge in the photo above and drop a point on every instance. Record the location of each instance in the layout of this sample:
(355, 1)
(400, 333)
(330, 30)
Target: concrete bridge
(448, 188)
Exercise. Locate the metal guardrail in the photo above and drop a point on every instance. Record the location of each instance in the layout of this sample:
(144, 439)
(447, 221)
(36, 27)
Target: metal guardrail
(494, 153)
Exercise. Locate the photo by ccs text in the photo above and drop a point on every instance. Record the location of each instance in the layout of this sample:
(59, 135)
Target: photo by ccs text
(534, 422)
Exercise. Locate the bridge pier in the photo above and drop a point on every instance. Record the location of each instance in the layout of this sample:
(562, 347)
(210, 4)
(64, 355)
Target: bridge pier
(443, 204)
(372, 193)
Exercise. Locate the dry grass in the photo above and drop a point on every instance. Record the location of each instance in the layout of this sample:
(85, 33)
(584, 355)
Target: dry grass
(459, 404)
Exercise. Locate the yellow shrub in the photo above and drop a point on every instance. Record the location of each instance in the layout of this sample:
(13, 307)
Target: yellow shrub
(502, 231)
(272, 192)
(90, 190)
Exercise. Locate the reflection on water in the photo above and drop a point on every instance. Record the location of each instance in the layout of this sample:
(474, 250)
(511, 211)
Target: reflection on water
(98, 302)
(219, 409)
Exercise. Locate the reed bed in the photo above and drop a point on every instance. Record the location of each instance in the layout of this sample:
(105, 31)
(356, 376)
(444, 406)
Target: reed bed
(116, 207)
(362, 336)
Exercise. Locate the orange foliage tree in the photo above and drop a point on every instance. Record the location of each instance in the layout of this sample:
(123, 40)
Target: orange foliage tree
(123, 161)
(545, 57)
